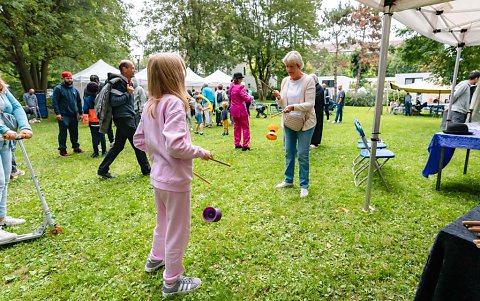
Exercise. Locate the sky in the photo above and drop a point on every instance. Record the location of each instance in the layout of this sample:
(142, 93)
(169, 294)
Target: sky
(141, 31)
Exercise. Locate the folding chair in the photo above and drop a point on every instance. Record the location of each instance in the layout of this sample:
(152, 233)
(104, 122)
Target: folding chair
(359, 167)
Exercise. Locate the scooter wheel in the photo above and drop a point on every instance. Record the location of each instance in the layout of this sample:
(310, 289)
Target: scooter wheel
(211, 214)
(55, 231)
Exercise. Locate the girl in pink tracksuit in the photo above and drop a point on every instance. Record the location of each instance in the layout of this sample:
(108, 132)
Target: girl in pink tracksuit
(164, 135)
(238, 111)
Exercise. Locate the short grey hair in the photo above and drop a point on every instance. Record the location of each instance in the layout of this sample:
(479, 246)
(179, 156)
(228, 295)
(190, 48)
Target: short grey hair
(293, 57)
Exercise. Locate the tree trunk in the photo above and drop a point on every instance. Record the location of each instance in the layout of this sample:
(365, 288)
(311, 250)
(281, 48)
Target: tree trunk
(44, 75)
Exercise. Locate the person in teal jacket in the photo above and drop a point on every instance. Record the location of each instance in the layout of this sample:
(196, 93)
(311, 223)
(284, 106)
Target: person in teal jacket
(10, 105)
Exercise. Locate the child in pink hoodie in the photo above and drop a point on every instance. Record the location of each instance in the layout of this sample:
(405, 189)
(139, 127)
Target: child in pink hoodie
(164, 135)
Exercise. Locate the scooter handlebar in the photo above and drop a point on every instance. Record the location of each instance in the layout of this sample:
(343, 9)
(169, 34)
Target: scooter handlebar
(18, 137)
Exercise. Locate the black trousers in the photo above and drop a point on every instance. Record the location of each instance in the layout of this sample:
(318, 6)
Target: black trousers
(70, 124)
(317, 133)
(125, 131)
(111, 138)
(98, 138)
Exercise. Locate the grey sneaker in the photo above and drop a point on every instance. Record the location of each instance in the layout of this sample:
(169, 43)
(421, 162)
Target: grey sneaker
(284, 185)
(153, 265)
(182, 286)
(11, 221)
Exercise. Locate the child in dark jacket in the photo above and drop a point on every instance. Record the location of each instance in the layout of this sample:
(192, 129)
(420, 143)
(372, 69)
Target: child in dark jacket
(93, 121)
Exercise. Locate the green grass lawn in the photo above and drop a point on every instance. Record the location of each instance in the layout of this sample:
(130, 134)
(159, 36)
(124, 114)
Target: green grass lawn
(269, 245)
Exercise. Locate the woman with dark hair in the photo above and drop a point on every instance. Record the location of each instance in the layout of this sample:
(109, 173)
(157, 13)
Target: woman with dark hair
(238, 110)
(8, 104)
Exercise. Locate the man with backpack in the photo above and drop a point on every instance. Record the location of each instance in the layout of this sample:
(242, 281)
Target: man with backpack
(120, 101)
(67, 105)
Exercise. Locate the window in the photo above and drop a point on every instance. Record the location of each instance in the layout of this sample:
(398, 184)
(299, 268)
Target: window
(329, 83)
(411, 80)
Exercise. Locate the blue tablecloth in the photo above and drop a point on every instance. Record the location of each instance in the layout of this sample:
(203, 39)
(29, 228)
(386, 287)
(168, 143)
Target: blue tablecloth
(450, 143)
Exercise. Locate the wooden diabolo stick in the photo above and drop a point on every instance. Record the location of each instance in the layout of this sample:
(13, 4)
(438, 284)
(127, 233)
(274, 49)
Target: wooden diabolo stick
(221, 162)
(202, 178)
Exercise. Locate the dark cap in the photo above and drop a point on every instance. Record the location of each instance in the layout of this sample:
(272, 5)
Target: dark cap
(92, 87)
(237, 75)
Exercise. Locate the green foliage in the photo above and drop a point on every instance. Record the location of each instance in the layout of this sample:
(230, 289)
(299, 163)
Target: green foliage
(433, 56)
(269, 245)
(200, 30)
(37, 35)
(360, 98)
(396, 64)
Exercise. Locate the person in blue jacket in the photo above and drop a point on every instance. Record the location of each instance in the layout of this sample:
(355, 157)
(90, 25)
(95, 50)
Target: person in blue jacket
(8, 104)
(68, 111)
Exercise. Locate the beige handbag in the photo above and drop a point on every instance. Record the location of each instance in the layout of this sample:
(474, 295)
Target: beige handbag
(294, 120)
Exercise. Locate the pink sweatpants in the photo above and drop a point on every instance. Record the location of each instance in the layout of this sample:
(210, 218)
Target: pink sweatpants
(171, 235)
(241, 126)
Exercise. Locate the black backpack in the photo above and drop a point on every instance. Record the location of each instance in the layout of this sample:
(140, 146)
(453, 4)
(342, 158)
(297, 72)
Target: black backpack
(220, 96)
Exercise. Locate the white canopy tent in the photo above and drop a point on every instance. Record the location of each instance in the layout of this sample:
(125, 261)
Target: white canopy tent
(217, 78)
(191, 79)
(100, 68)
(456, 23)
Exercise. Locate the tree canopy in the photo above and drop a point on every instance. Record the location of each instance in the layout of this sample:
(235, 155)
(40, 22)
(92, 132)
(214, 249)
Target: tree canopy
(41, 36)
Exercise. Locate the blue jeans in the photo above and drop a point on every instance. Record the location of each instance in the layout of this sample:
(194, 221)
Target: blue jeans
(339, 115)
(301, 140)
(5, 169)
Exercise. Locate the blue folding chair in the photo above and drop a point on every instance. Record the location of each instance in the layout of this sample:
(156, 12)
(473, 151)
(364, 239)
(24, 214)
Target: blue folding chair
(382, 157)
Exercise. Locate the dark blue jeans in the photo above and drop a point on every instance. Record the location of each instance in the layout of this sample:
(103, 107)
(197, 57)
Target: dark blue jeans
(339, 115)
(70, 124)
(98, 138)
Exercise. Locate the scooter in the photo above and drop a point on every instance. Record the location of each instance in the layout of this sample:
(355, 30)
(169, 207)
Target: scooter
(48, 221)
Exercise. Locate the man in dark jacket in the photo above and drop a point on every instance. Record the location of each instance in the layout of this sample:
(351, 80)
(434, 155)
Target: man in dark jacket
(121, 100)
(68, 111)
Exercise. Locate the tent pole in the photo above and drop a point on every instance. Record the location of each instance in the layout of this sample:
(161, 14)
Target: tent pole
(387, 21)
(454, 82)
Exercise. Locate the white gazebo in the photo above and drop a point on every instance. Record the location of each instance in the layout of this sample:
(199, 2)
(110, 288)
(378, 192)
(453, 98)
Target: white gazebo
(217, 78)
(192, 80)
(100, 68)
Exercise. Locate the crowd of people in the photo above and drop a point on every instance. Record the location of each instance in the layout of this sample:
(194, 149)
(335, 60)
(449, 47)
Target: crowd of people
(160, 125)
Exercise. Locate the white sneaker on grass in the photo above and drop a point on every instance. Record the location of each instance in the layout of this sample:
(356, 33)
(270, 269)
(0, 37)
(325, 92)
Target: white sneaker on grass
(11, 221)
(284, 185)
(6, 236)
(182, 286)
(303, 192)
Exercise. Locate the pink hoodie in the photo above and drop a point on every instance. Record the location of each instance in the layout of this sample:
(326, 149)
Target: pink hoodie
(167, 141)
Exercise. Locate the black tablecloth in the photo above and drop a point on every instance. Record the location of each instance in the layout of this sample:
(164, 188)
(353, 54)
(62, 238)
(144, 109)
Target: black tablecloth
(452, 271)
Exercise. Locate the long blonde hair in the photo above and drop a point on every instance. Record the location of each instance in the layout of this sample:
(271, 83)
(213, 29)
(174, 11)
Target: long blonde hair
(166, 75)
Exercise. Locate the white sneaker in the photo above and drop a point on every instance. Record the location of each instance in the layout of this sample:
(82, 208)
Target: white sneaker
(334, 122)
(7, 236)
(11, 221)
(312, 146)
(284, 185)
(303, 192)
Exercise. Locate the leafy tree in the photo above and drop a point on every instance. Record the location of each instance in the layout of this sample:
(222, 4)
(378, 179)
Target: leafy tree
(397, 65)
(437, 58)
(199, 30)
(267, 29)
(367, 25)
(336, 23)
(39, 34)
